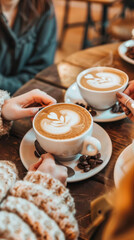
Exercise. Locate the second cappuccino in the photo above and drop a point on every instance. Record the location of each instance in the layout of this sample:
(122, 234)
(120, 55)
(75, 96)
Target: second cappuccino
(105, 79)
(99, 85)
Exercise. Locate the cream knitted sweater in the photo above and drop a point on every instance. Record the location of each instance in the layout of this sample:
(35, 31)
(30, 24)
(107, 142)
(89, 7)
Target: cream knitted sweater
(4, 125)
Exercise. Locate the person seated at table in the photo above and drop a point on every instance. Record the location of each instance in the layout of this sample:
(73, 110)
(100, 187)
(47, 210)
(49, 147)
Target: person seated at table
(113, 213)
(27, 40)
(121, 223)
(40, 206)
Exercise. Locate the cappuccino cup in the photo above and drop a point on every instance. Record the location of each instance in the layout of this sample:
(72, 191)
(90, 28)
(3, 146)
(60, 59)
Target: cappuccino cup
(65, 130)
(99, 85)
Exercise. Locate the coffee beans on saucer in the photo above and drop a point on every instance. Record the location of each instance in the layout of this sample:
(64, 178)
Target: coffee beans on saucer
(86, 163)
(116, 108)
(130, 52)
(88, 107)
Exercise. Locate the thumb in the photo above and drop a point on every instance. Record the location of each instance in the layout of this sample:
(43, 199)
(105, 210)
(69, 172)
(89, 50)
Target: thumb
(34, 166)
(48, 158)
(123, 98)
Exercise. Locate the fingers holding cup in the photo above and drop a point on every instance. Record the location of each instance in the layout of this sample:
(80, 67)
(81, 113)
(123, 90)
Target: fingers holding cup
(127, 104)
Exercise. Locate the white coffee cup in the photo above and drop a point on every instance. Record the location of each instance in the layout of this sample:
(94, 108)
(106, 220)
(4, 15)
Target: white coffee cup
(67, 149)
(101, 99)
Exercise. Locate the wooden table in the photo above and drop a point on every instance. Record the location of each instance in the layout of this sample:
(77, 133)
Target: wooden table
(55, 80)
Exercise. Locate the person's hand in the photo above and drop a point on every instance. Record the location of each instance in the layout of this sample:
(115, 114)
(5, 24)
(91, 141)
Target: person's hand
(130, 89)
(19, 107)
(127, 104)
(46, 164)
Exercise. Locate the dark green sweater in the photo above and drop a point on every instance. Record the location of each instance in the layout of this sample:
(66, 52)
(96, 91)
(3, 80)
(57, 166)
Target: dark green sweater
(24, 55)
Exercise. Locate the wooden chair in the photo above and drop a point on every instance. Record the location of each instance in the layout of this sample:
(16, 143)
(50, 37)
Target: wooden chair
(121, 28)
(67, 25)
(89, 22)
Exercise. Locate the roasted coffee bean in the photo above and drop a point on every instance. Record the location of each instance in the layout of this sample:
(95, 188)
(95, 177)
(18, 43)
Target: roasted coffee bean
(79, 165)
(116, 108)
(88, 157)
(88, 166)
(99, 161)
(91, 160)
(84, 163)
(82, 158)
(93, 113)
(86, 169)
(93, 157)
(82, 105)
(93, 165)
(78, 103)
(88, 161)
(89, 107)
(98, 155)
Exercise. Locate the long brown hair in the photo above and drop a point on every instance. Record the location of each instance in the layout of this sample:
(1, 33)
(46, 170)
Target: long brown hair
(30, 10)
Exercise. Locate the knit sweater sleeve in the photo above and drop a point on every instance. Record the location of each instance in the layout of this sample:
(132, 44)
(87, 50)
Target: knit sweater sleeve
(39, 201)
(4, 124)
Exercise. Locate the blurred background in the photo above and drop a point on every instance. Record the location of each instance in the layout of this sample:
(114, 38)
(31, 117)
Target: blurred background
(100, 21)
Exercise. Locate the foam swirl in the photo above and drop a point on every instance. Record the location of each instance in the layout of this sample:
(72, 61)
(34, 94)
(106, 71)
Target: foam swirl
(103, 80)
(60, 123)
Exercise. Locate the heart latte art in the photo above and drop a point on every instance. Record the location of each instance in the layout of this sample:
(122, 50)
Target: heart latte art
(103, 81)
(62, 121)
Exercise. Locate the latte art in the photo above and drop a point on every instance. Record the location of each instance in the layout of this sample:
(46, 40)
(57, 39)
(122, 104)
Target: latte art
(60, 125)
(62, 121)
(103, 81)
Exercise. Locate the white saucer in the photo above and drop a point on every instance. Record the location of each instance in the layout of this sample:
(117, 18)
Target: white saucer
(73, 95)
(123, 163)
(122, 49)
(27, 156)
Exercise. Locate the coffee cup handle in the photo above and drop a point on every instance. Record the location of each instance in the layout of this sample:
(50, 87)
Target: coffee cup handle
(91, 146)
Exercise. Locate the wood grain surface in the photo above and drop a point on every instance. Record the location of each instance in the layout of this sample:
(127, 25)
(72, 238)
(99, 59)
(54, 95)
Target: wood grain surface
(54, 81)
(65, 73)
